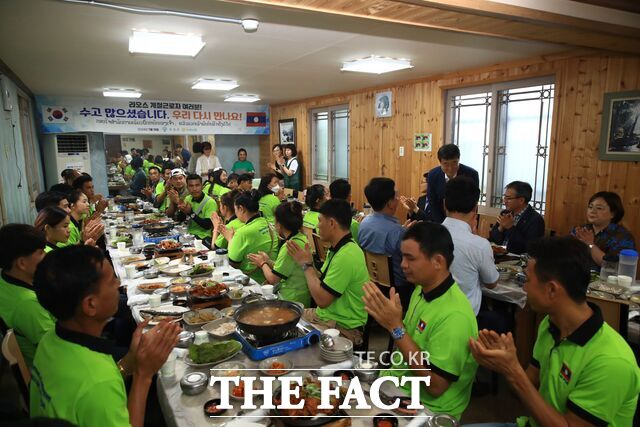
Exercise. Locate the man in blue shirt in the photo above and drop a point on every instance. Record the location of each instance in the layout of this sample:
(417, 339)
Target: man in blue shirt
(381, 232)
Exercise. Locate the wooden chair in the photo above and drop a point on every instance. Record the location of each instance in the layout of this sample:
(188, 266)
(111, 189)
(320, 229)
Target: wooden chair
(380, 268)
(11, 352)
(487, 217)
(309, 233)
(322, 247)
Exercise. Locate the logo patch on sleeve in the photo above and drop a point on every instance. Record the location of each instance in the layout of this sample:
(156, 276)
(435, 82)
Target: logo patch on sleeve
(421, 325)
(565, 373)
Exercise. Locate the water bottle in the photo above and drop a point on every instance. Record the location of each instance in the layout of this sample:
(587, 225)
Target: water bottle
(627, 266)
(609, 267)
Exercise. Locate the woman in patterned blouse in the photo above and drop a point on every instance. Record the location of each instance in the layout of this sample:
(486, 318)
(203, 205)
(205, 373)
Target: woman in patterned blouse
(603, 233)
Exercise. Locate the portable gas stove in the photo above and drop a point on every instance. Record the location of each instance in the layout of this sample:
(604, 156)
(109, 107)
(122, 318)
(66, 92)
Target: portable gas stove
(302, 336)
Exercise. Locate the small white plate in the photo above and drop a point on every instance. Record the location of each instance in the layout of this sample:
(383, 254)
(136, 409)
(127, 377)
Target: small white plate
(162, 260)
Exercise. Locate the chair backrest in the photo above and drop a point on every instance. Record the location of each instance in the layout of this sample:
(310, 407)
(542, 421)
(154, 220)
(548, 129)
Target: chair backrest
(380, 268)
(322, 247)
(487, 217)
(288, 192)
(11, 352)
(309, 233)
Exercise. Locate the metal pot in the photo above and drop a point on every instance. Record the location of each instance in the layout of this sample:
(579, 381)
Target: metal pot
(267, 331)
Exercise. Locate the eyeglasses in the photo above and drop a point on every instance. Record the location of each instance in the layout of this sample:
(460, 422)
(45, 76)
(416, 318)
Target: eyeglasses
(505, 197)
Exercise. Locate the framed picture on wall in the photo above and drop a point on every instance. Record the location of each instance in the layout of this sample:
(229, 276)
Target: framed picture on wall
(384, 104)
(620, 134)
(287, 128)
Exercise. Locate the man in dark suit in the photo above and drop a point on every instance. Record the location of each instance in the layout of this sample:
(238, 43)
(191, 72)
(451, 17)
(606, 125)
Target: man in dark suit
(420, 210)
(450, 167)
(519, 223)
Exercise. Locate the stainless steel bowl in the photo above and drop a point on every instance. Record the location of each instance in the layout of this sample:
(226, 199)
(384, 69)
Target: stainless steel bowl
(185, 338)
(194, 383)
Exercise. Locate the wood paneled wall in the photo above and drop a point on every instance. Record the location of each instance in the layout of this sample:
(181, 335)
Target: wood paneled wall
(575, 170)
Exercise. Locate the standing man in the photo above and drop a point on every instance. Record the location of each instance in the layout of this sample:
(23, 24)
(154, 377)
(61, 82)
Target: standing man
(519, 223)
(450, 167)
(473, 265)
(583, 373)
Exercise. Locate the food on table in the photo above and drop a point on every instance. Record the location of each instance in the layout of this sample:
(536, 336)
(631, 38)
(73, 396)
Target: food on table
(211, 408)
(212, 352)
(265, 316)
(498, 250)
(156, 318)
(201, 316)
(150, 287)
(189, 251)
(126, 238)
(236, 294)
(384, 423)
(402, 408)
(228, 312)
(276, 368)
(201, 269)
(208, 289)
(132, 258)
(168, 244)
(310, 393)
(238, 391)
(224, 329)
(178, 289)
(180, 281)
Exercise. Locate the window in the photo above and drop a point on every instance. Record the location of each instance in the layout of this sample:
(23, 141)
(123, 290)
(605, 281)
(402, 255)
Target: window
(330, 144)
(504, 132)
(29, 144)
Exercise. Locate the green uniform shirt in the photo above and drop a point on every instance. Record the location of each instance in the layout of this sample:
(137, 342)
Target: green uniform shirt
(293, 286)
(268, 205)
(242, 167)
(441, 322)
(159, 190)
(129, 172)
(75, 235)
(235, 224)
(592, 372)
(255, 236)
(344, 272)
(354, 228)
(21, 311)
(210, 206)
(219, 190)
(49, 247)
(76, 379)
(310, 220)
(146, 164)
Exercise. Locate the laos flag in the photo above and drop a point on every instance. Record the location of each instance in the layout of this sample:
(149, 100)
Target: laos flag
(256, 119)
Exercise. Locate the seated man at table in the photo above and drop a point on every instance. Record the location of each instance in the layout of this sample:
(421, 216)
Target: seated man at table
(338, 291)
(97, 203)
(381, 232)
(439, 321)
(74, 377)
(198, 208)
(19, 307)
(340, 189)
(53, 199)
(160, 199)
(473, 265)
(583, 373)
(177, 193)
(519, 223)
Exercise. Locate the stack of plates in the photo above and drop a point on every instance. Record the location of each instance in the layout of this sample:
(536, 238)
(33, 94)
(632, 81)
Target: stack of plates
(342, 350)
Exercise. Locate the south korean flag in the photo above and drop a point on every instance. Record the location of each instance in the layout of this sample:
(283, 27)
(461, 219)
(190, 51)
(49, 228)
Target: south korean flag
(55, 114)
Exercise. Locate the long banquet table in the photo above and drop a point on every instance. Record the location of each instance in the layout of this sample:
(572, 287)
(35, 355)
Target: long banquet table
(180, 410)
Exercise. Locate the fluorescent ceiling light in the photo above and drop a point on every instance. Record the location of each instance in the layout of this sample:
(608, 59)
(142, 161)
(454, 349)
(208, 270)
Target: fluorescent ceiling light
(215, 84)
(250, 25)
(122, 93)
(242, 98)
(165, 43)
(376, 65)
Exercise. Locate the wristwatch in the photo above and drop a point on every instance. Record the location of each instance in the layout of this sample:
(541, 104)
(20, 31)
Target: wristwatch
(398, 333)
(305, 266)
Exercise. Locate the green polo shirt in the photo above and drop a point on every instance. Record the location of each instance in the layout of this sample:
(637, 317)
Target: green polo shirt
(49, 247)
(159, 190)
(255, 236)
(218, 190)
(242, 167)
(234, 224)
(75, 378)
(441, 322)
(21, 311)
(311, 219)
(129, 172)
(210, 206)
(592, 372)
(268, 205)
(344, 272)
(75, 235)
(293, 284)
(354, 228)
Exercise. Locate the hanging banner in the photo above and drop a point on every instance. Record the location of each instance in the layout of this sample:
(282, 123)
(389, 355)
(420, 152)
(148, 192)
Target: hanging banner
(127, 116)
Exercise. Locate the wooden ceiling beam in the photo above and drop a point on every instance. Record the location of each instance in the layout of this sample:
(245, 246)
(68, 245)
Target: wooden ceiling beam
(479, 17)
